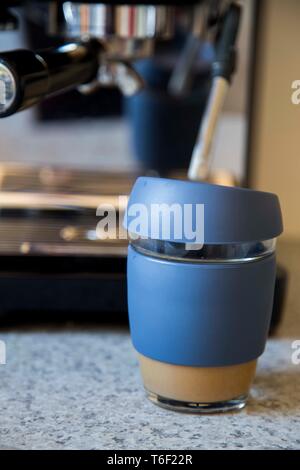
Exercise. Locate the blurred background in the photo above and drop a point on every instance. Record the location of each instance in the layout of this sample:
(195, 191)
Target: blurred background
(85, 135)
(94, 132)
(72, 151)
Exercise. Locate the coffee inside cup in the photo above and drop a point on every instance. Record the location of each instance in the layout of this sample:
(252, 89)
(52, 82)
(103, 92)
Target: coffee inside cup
(197, 384)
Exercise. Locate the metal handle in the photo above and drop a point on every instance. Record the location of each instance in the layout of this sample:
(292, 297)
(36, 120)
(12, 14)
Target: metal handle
(26, 77)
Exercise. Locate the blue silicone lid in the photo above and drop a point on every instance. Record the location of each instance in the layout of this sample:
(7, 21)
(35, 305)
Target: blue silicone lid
(231, 214)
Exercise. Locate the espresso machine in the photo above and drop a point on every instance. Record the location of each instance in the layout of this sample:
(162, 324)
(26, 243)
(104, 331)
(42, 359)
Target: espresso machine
(52, 260)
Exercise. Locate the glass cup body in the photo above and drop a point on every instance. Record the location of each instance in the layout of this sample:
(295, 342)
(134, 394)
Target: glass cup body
(193, 388)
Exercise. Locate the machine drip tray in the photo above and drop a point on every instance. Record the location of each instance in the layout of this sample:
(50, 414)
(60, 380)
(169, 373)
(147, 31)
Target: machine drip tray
(62, 288)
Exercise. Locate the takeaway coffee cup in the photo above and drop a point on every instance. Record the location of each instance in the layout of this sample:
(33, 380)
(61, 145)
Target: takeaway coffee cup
(201, 274)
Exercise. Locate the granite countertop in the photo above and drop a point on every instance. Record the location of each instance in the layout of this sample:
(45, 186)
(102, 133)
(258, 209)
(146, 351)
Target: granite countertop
(71, 388)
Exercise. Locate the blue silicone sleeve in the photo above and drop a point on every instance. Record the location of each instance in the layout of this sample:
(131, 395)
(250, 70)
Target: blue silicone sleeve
(205, 315)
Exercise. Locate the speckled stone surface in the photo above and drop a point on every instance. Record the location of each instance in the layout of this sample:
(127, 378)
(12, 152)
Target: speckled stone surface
(80, 389)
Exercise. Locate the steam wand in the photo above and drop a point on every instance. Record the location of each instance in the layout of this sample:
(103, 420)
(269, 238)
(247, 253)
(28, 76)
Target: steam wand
(223, 69)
